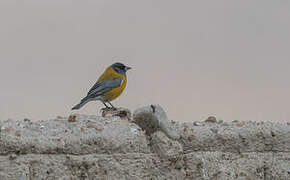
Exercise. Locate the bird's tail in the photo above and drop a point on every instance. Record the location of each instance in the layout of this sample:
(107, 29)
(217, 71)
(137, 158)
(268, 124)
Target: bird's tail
(82, 103)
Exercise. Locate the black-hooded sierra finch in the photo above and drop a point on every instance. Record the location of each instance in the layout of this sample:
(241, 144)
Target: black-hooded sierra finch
(108, 87)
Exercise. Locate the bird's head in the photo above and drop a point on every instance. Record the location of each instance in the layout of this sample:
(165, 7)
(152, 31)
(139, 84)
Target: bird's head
(120, 68)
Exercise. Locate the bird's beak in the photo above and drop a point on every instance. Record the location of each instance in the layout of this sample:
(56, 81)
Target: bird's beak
(127, 68)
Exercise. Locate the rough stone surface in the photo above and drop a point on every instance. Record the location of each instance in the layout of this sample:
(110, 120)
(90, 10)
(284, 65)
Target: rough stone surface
(164, 146)
(84, 135)
(235, 137)
(92, 147)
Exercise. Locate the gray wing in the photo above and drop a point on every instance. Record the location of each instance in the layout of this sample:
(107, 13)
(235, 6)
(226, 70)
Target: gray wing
(104, 86)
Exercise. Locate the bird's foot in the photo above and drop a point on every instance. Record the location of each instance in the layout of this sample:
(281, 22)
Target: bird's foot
(109, 109)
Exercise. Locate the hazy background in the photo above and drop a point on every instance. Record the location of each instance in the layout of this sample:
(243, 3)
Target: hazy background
(230, 59)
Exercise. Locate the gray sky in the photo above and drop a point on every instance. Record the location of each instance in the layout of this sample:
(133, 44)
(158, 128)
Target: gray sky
(230, 59)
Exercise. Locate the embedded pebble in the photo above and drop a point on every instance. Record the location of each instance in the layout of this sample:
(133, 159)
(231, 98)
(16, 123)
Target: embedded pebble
(26, 120)
(134, 130)
(239, 124)
(179, 165)
(17, 133)
(211, 119)
(214, 130)
(197, 123)
(220, 121)
(12, 156)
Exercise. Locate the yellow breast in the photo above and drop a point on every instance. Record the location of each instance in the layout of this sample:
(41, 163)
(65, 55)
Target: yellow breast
(111, 74)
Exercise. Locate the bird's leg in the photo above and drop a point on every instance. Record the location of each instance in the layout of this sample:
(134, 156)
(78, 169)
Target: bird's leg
(113, 107)
(107, 107)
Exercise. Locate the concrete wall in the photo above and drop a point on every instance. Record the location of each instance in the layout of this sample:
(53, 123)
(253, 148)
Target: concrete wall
(144, 146)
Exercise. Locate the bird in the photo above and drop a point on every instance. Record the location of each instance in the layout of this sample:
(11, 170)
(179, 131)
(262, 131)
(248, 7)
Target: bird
(108, 87)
